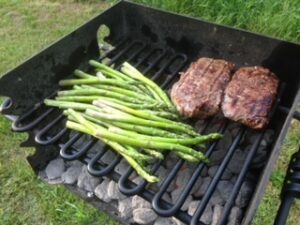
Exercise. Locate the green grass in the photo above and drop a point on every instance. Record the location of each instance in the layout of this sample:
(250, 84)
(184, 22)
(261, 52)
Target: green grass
(270, 17)
(27, 26)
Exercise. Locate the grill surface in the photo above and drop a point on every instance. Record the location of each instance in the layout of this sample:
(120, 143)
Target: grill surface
(161, 62)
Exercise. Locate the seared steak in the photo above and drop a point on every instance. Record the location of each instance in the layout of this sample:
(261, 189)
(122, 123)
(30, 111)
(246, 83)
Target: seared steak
(199, 91)
(250, 95)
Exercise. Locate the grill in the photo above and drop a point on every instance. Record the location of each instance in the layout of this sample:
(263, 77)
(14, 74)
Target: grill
(161, 45)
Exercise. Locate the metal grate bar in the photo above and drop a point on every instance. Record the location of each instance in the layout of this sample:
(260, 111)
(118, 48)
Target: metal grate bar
(65, 148)
(136, 45)
(41, 137)
(171, 211)
(103, 171)
(239, 182)
(211, 188)
(107, 53)
(79, 153)
(16, 125)
(152, 52)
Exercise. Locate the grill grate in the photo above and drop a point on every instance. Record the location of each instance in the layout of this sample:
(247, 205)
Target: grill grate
(163, 65)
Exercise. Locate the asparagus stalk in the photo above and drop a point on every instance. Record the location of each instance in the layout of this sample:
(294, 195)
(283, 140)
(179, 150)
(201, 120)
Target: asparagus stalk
(70, 105)
(81, 74)
(90, 99)
(116, 74)
(134, 73)
(164, 114)
(139, 121)
(118, 148)
(122, 91)
(183, 141)
(108, 70)
(154, 153)
(140, 129)
(139, 113)
(101, 132)
(96, 80)
(95, 91)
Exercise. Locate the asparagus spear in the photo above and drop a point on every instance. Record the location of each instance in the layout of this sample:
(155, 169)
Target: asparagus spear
(95, 91)
(154, 153)
(116, 74)
(91, 98)
(163, 114)
(138, 128)
(96, 80)
(117, 147)
(133, 72)
(122, 91)
(101, 132)
(109, 70)
(70, 105)
(107, 106)
(139, 121)
(139, 113)
(183, 141)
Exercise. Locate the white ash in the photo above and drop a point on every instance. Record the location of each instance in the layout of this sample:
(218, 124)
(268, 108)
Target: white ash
(217, 212)
(113, 191)
(192, 207)
(207, 214)
(55, 169)
(144, 216)
(101, 191)
(86, 181)
(125, 208)
(138, 202)
(177, 221)
(75, 163)
(70, 176)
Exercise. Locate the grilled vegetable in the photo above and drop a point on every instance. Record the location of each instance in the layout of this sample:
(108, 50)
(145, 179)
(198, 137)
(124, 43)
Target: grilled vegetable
(131, 114)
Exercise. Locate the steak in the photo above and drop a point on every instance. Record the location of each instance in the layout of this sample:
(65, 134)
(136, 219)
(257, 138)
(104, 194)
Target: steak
(199, 91)
(250, 95)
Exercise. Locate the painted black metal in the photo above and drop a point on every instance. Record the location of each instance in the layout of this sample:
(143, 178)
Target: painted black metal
(160, 44)
(290, 190)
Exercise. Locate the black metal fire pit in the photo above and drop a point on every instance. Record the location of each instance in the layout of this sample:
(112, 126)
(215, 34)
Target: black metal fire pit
(160, 44)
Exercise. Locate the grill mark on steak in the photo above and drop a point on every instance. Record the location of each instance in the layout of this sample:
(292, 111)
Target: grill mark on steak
(250, 96)
(200, 89)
